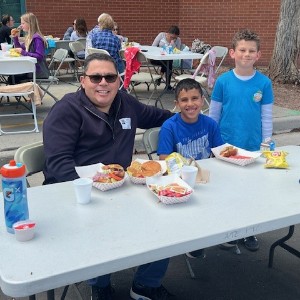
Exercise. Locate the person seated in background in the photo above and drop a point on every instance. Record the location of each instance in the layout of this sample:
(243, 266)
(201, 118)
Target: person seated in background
(34, 46)
(98, 123)
(80, 31)
(69, 31)
(105, 39)
(5, 30)
(166, 39)
(116, 32)
(89, 37)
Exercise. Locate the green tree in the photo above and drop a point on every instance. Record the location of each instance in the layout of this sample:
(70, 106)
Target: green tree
(283, 66)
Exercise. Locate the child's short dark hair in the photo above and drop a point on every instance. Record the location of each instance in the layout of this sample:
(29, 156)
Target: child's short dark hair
(187, 84)
(247, 35)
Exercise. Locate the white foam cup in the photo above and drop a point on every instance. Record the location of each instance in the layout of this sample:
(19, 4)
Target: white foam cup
(189, 174)
(83, 189)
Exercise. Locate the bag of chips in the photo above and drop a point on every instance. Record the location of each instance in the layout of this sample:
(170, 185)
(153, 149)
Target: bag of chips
(276, 159)
(174, 162)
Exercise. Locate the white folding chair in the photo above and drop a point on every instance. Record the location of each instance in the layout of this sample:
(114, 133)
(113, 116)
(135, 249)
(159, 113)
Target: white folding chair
(77, 47)
(58, 59)
(144, 77)
(221, 53)
(14, 67)
(96, 50)
(150, 141)
(64, 44)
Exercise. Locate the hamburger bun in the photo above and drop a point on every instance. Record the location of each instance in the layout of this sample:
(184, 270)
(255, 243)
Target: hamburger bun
(15, 31)
(116, 169)
(151, 168)
(146, 169)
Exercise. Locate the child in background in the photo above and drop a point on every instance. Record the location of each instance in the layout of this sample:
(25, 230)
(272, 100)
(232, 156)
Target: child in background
(189, 132)
(34, 46)
(242, 100)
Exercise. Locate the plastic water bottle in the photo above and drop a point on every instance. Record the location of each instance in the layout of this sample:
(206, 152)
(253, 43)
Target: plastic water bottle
(14, 193)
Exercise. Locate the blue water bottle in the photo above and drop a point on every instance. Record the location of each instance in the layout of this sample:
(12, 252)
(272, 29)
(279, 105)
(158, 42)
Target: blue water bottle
(14, 193)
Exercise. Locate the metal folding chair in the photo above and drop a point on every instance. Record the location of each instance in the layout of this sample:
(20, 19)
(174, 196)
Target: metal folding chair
(58, 59)
(14, 67)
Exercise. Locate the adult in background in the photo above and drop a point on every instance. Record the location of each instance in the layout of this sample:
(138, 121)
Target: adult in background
(5, 30)
(116, 31)
(105, 39)
(166, 39)
(67, 34)
(98, 124)
(34, 46)
(80, 32)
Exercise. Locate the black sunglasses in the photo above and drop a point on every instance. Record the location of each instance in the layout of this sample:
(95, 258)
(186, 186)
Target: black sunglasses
(109, 78)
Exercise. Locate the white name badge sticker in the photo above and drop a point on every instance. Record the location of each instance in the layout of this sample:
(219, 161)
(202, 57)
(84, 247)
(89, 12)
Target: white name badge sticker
(126, 123)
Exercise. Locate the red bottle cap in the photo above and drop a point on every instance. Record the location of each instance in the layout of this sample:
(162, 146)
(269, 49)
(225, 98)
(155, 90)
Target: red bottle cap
(13, 170)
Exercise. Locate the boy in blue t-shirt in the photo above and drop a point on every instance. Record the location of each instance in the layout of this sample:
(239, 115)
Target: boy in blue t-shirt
(242, 101)
(189, 132)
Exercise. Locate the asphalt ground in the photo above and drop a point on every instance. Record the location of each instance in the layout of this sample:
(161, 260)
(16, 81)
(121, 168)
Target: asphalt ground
(221, 275)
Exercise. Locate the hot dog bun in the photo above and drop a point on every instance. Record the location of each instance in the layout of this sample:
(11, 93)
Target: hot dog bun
(228, 151)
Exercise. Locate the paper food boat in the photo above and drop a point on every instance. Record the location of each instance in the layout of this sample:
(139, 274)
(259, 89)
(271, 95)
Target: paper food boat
(91, 170)
(165, 180)
(142, 180)
(238, 161)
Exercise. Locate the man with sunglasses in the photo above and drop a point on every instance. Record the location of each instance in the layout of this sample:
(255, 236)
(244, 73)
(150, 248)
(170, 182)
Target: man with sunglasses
(98, 124)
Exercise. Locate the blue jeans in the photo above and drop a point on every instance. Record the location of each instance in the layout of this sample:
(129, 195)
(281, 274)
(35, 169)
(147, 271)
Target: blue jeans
(149, 275)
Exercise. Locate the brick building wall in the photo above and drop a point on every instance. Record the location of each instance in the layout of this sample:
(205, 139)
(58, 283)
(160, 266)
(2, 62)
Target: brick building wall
(213, 21)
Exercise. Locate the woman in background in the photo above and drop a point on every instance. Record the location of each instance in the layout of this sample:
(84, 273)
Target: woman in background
(169, 38)
(34, 46)
(80, 32)
(105, 39)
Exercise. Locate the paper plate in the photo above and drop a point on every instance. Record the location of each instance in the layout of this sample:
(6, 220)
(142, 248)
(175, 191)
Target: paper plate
(237, 161)
(108, 186)
(165, 180)
(142, 180)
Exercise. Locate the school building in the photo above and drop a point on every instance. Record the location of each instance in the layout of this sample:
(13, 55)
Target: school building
(213, 21)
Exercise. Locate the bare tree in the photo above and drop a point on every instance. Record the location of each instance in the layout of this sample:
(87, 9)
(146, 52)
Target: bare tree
(283, 66)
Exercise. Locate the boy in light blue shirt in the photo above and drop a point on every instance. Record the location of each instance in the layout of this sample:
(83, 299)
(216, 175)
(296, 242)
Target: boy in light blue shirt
(242, 101)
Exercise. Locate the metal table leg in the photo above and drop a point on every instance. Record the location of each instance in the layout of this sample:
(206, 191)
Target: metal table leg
(50, 295)
(281, 243)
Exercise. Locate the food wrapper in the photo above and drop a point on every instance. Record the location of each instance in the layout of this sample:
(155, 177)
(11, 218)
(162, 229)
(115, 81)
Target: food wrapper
(174, 162)
(276, 159)
(14, 53)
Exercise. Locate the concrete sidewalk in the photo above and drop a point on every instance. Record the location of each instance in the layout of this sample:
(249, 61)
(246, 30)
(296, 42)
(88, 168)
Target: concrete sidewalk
(222, 275)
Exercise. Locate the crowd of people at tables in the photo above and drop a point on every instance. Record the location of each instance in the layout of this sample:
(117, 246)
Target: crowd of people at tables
(242, 96)
(105, 35)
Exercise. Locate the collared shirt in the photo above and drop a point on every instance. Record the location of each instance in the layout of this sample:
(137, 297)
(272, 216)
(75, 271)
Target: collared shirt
(106, 40)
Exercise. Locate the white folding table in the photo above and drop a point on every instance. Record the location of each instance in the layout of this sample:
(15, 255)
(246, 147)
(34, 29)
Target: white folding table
(156, 53)
(126, 227)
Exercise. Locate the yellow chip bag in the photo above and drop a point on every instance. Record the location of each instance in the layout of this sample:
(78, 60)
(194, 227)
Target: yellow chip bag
(14, 53)
(276, 159)
(174, 162)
